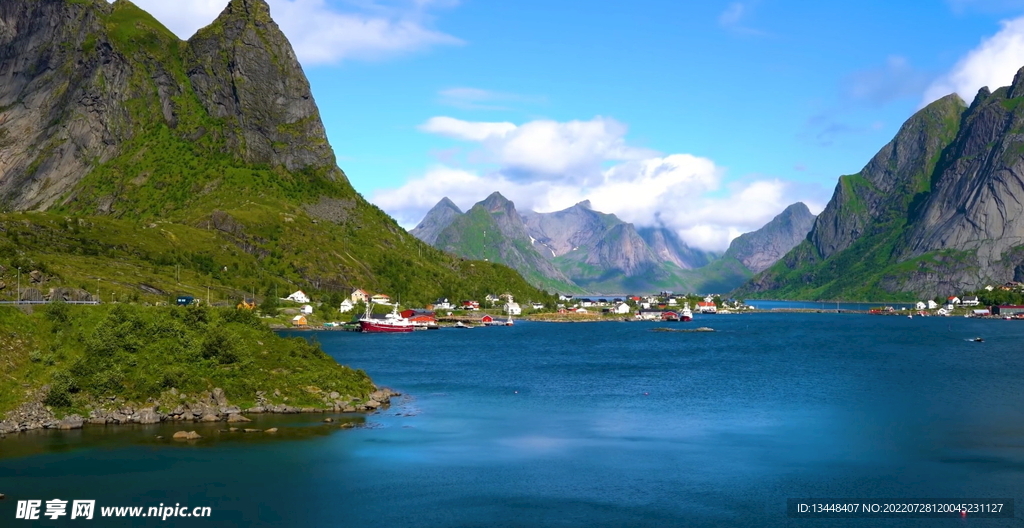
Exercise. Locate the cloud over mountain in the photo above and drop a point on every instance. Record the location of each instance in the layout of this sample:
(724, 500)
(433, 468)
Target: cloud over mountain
(547, 165)
(992, 63)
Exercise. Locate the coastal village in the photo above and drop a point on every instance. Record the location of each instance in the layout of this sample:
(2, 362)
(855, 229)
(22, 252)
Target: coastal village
(503, 309)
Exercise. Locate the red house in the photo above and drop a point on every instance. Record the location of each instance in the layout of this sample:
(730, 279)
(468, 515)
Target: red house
(471, 305)
(420, 317)
(486, 319)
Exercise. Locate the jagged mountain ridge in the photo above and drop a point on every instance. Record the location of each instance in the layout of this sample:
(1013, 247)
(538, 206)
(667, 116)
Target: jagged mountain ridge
(758, 250)
(493, 230)
(595, 251)
(936, 212)
(439, 217)
(206, 156)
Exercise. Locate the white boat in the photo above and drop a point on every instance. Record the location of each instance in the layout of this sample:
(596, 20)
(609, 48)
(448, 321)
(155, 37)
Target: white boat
(686, 315)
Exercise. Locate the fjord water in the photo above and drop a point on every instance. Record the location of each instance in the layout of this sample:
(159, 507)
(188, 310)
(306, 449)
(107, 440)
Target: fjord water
(600, 424)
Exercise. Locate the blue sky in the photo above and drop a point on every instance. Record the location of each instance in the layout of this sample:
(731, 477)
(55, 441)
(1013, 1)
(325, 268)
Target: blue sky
(708, 117)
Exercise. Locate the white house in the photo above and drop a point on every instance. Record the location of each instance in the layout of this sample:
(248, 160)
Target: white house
(346, 306)
(380, 298)
(932, 304)
(298, 297)
(359, 296)
(942, 311)
(306, 309)
(971, 300)
(512, 308)
(648, 315)
(538, 306)
(953, 300)
(621, 309)
(672, 301)
(491, 298)
(443, 304)
(707, 307)
(920, 305)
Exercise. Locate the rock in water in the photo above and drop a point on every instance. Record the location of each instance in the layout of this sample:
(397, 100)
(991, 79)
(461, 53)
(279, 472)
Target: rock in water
(237, 418)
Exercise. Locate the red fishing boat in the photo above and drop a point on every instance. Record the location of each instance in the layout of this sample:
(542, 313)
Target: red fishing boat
(390, 323)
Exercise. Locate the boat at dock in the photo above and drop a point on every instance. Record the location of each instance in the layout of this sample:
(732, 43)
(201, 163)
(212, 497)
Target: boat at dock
(686, 315)
(390, 323)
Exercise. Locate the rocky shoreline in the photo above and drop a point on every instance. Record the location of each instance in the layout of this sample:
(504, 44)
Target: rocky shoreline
(212, 406)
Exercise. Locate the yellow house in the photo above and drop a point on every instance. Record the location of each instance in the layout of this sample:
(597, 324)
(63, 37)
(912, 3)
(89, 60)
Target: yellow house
(300, 320)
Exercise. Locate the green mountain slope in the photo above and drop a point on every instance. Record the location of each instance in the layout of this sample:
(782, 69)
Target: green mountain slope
(856, 250)
(154, 166)
(492, 230)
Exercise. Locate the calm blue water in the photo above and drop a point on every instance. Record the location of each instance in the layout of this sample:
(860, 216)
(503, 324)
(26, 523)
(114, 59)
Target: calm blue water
(814, 305)
(597, 424)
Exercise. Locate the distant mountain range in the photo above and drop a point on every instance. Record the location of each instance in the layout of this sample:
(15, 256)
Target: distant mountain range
(580, 250)
(939, 210)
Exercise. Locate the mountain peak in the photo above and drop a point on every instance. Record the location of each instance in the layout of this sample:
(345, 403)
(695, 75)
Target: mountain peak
(496, 202)
(1017, 88)
(799, 209)
(759, 250)
(585, 204)
(246, 72)
(257, 10)
(447, 203)
(437, 219)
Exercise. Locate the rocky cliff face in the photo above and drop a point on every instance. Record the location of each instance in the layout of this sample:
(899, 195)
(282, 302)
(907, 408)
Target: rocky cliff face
(760, 249)
(85, 83)
(936, 212)
(62, 90)
(438, 218)
(885, 187)
(977, 204)
(245, 72)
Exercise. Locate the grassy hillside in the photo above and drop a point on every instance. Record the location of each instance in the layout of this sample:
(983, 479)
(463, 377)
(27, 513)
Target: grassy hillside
(85, 353)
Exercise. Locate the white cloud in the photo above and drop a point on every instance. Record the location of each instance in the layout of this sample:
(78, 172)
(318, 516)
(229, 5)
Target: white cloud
(992, 63)
(573, 149)
(547, 166)
(320, 33)
(466, 130)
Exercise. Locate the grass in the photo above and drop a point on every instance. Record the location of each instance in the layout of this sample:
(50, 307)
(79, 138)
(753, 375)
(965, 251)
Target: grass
(137, 353)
